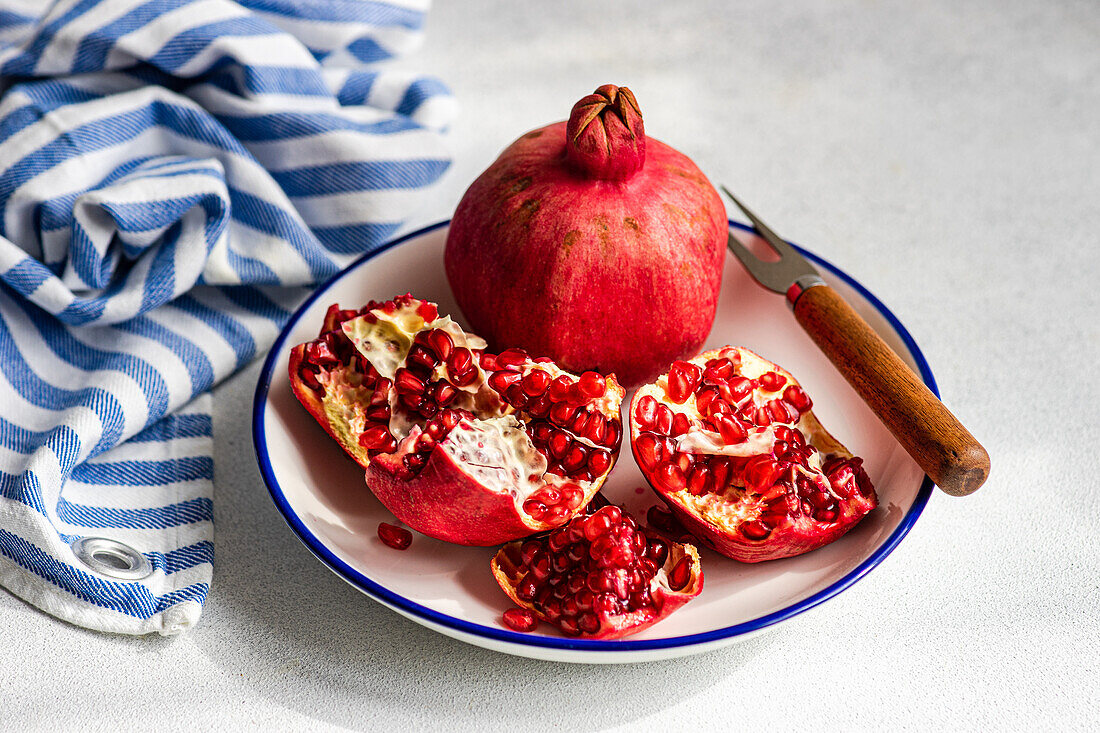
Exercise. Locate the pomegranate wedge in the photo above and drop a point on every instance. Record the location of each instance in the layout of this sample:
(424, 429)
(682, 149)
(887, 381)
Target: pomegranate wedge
(460, 444)
(729, 441)
(600, 577)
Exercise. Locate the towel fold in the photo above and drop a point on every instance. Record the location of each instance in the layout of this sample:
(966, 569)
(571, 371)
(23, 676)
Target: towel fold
(174, 176)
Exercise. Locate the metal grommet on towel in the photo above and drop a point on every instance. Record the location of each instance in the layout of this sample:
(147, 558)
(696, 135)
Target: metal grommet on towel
(112, 558)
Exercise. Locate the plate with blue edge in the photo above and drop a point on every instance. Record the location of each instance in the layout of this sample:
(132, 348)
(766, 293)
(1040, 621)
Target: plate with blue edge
(449, 588)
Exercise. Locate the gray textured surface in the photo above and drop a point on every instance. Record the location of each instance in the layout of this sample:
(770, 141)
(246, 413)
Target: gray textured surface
(943, 153)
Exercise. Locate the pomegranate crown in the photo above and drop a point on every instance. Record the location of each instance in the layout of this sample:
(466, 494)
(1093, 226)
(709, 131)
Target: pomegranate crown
(605, 137)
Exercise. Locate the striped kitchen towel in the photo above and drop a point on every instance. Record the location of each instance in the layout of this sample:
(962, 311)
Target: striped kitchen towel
(174, 176)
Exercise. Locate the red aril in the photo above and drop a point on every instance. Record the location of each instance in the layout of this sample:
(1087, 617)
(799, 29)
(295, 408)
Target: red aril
(598, 577)
(460, 444)
(398, 538)
(520, 619)
(577, 224)
(754, 474)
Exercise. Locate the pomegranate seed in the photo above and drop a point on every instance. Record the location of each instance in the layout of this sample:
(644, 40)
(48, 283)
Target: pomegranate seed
(419, 356)
(572, 495)
(539, 406)
(381, 393)
(520, 619)
(760, 473)
(646, 413)
(704, 398)
(599, 461)
(658, 552)
(681, 423)
(398, 538)
(558, 540)
(721, 471)
(405, 382)
(797, 397)
(547, 495)
(596, 525)
(514, 395)
(569, 625)
(444, 394)
(596, 430)
(378, 413)
(755, 530)
(575, 458)
(541, 433)
(559, 444)
(762, 417)
(718, 370)
(614, 433)
(670, 476)
(427, 311)
(378, 437)
(556, 515)
(321, 354)
(501, 381)
(664, 419)
(588, 623)
(512, 357)
(680, 576)
(441, 343)
(460, 361)
(683, 380)
(661, 518)
(534, 509)
(535, 382)
(771, 381)
(731, 429)
(650, 450)
(739, 388)
(528, 551)
(592, 385)
(562, 414)
(781, 411)
(580, 422)
(699, 482)
(559, 388)
(527, 588)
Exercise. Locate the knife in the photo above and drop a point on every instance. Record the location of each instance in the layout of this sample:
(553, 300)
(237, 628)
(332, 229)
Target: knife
(937, 441)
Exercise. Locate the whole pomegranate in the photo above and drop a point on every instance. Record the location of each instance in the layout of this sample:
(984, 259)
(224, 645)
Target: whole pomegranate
(729, 441)
(599, 577)
(592, 244)
(460, 444)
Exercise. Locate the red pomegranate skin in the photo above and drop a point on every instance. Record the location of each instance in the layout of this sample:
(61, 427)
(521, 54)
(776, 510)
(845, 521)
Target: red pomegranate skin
(618, 275)
(445, 502)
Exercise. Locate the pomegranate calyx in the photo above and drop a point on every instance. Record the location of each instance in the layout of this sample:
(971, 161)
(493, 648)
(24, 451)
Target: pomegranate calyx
(605, 137)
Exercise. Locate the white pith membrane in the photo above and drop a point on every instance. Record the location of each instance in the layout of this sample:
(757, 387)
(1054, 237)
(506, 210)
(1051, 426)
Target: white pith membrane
(493, 448)
(734, 504)
(345, 402)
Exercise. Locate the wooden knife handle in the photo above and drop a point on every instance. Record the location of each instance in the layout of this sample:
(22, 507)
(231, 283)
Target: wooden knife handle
(936, 440)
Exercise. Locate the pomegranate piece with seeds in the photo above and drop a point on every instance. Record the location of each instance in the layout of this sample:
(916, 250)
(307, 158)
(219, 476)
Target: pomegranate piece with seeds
(599, 577)
(460, 444)
(730, 443)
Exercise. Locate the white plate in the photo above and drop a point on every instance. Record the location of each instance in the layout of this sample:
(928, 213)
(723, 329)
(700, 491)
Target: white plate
(449, 588)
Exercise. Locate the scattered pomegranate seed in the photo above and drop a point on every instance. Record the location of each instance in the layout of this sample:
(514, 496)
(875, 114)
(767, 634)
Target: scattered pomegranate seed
(398, 538)
(520, 619)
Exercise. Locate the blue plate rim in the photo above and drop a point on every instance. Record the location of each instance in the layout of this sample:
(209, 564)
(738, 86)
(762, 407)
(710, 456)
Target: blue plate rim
(388, 597)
